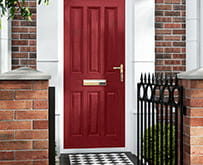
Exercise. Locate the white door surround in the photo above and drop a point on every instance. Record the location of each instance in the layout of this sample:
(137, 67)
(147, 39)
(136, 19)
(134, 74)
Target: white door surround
(194, 34)
(139, 58)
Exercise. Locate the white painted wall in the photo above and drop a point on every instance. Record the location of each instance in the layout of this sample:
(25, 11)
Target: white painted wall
(5, 45)
(139, 58)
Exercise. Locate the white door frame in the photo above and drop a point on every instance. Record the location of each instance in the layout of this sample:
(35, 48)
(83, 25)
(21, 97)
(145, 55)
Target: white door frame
(139, 57)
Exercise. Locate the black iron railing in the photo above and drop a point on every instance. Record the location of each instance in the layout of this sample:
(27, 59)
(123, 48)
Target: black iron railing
(159, 120)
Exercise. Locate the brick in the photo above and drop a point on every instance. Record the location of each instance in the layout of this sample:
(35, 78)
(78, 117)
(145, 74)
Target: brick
(177, 19)
(196, 141)
(6, 115)
(27, 155)
(159, 13)
(40, 162)
(6, 156)
(19, 42)
(197, 159)
(159, 37)
(179, 56)
(173, 38)
(34, 134)
(39, 114)
(178, 31)
(32, 55)
(163, 31)
(158, 25)
(32, 42)
(34, 94)
(40, 104)
(19, 29)
(19, 55)
(179, 68)
(40, 124)
(195, 102)
(15, 84)
(196, 84)
(14, 104)
(196, 131)
(6, 135)
(159, 1)
(16, 163)
(172, 25)
(195, 93)
(15, 145)
(163, 68)
(173, 62)
(197, 150)
(172, 1)
(28, 62)
(172, 50)
(6, 95)
(163, 19)
(40, 144)
(163, 43)
(40, 84)
(159, 50)
(178, 7)
(172, 13)
(6, 125)
(163, 7)
(15, 36)
(196, 121)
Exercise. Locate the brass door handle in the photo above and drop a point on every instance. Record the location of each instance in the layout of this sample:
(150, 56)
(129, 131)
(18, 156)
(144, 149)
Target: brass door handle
(121, 68)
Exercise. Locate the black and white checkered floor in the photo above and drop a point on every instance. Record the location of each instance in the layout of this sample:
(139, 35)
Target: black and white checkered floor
(100, 159)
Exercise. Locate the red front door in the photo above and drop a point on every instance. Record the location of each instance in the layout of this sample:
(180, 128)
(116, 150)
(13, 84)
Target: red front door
(94, 44)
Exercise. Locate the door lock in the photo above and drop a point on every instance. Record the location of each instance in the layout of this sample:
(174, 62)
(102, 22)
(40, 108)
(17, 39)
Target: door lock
(121, 68)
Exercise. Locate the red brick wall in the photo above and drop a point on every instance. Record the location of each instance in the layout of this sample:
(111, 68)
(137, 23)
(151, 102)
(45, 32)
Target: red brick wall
(170, 35)
(24, 40)
(23, 122)
(193, 122)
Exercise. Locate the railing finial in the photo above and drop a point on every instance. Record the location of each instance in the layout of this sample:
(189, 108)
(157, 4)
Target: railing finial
(145, 78)
(153, 78)
(141, 78)
(149, 78)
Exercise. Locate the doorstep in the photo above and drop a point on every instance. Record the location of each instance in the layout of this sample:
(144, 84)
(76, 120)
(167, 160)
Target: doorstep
(104, 158)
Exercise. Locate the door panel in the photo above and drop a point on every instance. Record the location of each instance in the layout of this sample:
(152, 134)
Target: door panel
(94, 116)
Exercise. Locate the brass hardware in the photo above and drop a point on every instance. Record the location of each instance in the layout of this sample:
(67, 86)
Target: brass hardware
(94, 82)
(121, 68)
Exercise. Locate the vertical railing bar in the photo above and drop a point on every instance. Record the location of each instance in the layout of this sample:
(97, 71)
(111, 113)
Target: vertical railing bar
(141, 102)
(181, 121)
(166, 133)
(162, 133)
(153, 123)
(149, 121)
(157, 133)
(171, 133)
(138, 123)
(145, 127)
(176, 134)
